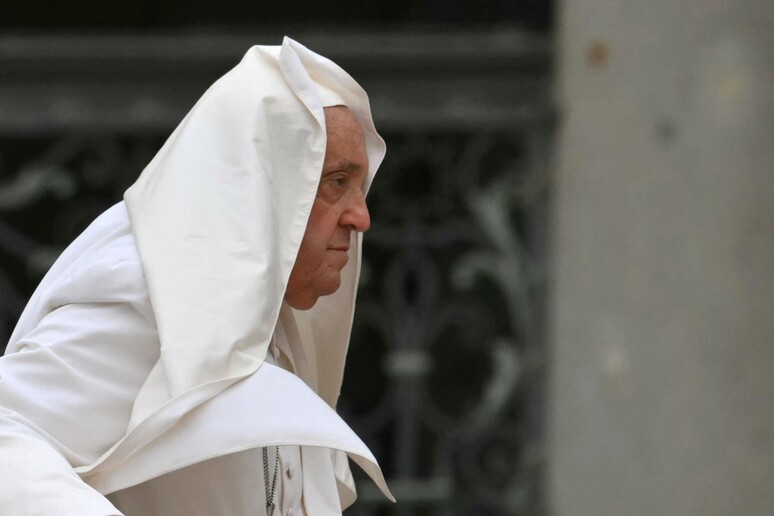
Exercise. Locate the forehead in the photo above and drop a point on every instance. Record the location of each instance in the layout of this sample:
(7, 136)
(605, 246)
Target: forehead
(339, 119)
(346, 138)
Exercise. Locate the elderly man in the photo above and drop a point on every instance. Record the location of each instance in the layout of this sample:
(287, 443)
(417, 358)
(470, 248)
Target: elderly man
(185, 354)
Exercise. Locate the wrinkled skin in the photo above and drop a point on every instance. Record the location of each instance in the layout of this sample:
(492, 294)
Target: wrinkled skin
(339, 208)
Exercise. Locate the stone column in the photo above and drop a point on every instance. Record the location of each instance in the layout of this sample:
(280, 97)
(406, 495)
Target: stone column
(662, 325)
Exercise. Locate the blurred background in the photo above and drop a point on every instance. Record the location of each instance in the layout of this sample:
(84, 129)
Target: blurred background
(567, 297)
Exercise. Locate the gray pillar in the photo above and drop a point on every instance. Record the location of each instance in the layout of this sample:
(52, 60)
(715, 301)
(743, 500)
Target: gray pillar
(662, 390)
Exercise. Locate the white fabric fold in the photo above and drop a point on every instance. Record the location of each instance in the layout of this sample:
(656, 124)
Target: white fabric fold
(220, 212)
(269, 408)
(213, 228)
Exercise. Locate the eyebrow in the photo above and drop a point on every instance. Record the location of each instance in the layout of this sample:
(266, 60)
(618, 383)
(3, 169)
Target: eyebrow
(348, 166)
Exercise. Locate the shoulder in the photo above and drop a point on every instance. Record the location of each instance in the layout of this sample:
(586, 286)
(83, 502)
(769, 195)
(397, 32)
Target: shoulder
(102, 265)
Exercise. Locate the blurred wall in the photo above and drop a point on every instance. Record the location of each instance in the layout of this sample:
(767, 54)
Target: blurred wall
(662, 396)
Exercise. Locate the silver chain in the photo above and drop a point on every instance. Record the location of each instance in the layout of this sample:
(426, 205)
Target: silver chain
(271, 493)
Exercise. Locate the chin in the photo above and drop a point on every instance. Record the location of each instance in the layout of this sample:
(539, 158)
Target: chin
(304, 303)
(332, 286)
(306, 306)
(307, 300)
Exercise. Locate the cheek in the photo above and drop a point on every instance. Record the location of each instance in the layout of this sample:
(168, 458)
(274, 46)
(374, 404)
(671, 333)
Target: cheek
(322, 227)
(320, 231)
(313, 248)
(309, 257)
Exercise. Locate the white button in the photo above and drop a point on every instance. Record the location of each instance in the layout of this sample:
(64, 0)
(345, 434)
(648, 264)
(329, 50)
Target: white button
(289, 471)
(289, 512)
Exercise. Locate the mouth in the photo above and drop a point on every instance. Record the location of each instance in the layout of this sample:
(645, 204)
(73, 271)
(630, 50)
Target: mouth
(340, 256)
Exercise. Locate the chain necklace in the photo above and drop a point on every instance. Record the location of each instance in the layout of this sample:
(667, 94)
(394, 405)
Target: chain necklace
(271, 493)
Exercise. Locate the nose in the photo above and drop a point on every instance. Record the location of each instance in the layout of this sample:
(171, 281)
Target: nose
(356, 216)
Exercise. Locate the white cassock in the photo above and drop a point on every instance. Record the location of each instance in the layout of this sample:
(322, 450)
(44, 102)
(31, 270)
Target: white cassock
(156, 360)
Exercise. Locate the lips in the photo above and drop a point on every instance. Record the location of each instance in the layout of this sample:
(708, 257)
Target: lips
(340, 256)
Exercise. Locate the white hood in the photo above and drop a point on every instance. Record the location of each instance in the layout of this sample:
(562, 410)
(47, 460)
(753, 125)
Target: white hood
(219, 215)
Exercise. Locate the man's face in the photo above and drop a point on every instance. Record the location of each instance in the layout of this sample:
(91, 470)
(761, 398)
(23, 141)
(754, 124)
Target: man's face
(338, 209)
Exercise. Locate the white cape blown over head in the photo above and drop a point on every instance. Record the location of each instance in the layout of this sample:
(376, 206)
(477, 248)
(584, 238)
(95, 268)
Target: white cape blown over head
(219, 215)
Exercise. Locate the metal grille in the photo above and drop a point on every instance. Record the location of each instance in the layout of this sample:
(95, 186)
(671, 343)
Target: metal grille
(447, 361)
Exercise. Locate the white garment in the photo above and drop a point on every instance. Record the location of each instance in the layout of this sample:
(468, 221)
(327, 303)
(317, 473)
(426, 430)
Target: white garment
(191, 491)
(139, 361)
(67, 388)
(219, 215)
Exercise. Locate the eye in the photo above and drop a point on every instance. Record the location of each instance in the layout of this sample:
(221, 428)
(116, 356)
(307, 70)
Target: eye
(333, 187)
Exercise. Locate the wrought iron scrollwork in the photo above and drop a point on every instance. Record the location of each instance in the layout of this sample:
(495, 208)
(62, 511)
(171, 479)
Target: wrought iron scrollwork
(446, 344)
(51, 188)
